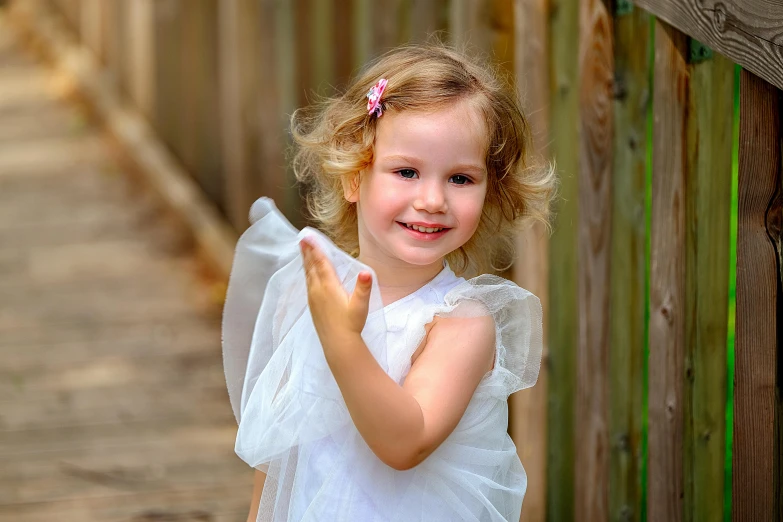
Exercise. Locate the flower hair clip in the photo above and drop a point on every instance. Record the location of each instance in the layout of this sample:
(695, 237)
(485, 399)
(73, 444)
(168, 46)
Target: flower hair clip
(374, 98)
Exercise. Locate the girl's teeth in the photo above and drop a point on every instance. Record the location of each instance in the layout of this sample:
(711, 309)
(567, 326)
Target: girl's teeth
(422, 229)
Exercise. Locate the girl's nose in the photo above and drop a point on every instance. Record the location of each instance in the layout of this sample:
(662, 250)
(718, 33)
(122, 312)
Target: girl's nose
(431, 197)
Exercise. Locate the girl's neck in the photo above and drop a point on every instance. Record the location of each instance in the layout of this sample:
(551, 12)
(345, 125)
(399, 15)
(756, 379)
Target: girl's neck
(396, 282)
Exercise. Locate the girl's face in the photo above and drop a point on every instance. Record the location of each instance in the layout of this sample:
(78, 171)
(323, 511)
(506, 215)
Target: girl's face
(428, 170)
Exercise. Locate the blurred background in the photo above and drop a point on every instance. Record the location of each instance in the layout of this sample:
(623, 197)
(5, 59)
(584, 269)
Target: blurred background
(135, 134)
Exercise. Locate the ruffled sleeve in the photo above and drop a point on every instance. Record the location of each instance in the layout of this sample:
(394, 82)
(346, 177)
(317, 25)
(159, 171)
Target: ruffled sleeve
(518, 321)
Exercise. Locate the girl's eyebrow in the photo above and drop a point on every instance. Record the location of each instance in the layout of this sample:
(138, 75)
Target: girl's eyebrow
(473, 168)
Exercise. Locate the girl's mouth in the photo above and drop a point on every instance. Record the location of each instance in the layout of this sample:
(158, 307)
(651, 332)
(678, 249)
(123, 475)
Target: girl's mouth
(426, 236)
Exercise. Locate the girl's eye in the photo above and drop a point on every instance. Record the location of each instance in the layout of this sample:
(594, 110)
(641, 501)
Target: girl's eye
(459, 179)
(407, 173)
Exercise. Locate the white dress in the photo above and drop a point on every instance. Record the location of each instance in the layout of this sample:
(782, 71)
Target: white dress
(295, 426)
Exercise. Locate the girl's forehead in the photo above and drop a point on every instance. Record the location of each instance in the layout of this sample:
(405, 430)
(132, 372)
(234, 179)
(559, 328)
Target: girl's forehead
(457, 129)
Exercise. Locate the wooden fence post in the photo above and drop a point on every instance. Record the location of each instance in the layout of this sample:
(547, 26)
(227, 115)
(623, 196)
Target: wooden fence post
(527, 408)
(667, 278)
(689, 279)
(238, 37)
(707, 233)
(596, 67)
(139, 49)
(199, 138)
(757, 469)
(562, 323)
(632, 99)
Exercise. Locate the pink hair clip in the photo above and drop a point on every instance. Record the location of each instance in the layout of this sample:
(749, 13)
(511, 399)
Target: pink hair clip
(374, 98)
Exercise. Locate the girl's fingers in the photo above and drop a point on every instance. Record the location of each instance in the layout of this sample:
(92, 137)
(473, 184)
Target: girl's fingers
(316, 263)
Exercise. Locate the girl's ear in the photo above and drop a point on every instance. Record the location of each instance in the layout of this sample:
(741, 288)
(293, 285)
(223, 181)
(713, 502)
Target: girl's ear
(351, 187)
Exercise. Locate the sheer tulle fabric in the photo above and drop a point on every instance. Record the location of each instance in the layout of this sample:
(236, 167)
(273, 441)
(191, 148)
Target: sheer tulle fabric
(294, 425)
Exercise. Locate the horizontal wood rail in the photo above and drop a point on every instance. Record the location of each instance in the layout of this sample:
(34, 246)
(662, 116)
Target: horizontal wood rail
(749, 32)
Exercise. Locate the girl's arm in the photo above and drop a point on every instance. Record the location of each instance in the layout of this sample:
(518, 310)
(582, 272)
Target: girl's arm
(258, 489)
(402, 425)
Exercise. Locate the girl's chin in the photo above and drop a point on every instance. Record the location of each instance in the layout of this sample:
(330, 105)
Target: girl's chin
(422, 260)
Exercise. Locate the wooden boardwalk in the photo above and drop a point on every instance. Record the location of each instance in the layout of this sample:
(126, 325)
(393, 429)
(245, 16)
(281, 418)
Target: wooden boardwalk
(112, 397)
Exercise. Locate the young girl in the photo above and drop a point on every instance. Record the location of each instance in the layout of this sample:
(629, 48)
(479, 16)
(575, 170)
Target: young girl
(368, 377)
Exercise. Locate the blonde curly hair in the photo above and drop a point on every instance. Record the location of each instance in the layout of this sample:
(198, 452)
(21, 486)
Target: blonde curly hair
(334, 141)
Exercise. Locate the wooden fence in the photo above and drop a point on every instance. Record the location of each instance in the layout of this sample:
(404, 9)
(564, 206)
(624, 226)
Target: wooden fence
(628, 420)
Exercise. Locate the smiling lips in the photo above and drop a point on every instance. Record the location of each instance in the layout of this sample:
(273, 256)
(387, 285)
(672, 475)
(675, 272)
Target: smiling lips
(424, 229)
(421, 232)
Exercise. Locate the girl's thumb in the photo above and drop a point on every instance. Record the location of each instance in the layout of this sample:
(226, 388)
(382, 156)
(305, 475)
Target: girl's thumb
(361, 293)
(364, 282)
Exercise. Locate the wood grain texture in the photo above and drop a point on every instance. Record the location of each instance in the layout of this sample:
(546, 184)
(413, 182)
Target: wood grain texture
(342, 21)
(596, 68)
(485, 26)
(285, 44)
(562, 323)
(632, 99)
(427, 18)
(667, 277)
(168, 82)
(199, 138)
(749, 32)
(362, 32)
(252, 128)
(527, 422)
(139, 50)
(90, 25)
(237, 82)
(756, 482)
(708, 204)
(390, 25)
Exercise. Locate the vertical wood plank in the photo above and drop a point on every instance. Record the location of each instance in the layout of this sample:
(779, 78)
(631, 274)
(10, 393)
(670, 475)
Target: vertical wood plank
(428, 17)
(322, 50)
(667, 277)
(388, 25)
(756, 484)
(468, 21)
(238, 37)
(287, 43)
(115, 31)
(596, 66)
(362, 30)
(304, 51)
(90, 25)
(168, 86)
(107, 12)
(257, 72)
(485, 26)
(527, 417)
(632, 99)
(266, 116)
(708, 204)
(563, 319)
(342, 23)
(199, 140)
(139, 50)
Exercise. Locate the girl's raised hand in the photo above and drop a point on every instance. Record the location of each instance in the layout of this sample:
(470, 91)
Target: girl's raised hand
(336, 314)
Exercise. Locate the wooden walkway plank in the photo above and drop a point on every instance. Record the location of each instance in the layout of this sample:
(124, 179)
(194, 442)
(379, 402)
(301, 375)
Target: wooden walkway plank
(113, 404)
